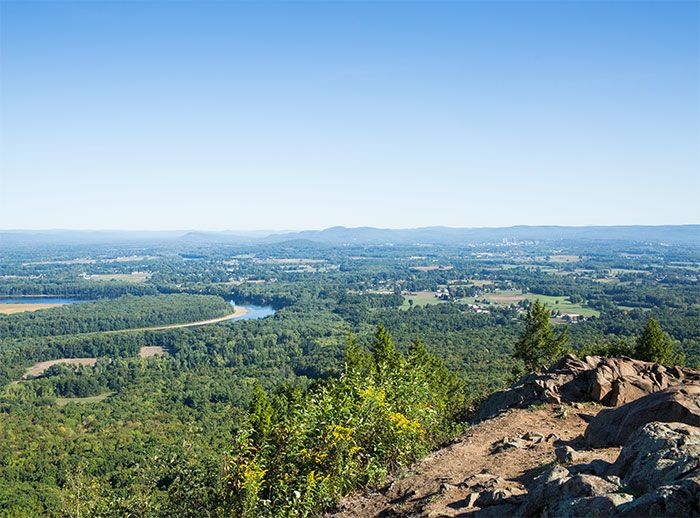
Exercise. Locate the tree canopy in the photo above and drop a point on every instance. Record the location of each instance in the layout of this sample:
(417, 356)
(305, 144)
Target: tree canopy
(540, 346)
(654, 345)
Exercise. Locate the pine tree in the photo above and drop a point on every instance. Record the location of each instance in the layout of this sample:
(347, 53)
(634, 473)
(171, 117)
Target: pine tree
(418, 356)
(358, 362)
(386, 356)
(260, 415)
(539, 345)
(654, 345)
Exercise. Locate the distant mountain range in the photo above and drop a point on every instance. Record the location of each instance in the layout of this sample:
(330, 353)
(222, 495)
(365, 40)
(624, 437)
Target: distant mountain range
(670, 234)
(456, 236)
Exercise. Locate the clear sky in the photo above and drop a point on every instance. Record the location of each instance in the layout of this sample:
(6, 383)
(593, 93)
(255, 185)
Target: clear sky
(291, 115)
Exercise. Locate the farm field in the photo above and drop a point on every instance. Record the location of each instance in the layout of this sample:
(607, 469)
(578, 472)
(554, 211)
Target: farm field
(421, 298)
(619, 271)
(564, 305)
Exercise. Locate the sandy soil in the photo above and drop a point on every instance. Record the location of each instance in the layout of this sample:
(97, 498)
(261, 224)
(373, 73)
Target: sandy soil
(152, 350)
(420, 491)
(10, 309)
(38, 368)
(239, 312)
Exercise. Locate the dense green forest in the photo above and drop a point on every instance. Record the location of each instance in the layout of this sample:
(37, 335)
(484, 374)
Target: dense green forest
(272, 415)
(108, 315)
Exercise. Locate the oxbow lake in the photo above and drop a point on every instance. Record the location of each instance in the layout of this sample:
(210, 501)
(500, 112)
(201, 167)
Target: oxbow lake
(254, 312)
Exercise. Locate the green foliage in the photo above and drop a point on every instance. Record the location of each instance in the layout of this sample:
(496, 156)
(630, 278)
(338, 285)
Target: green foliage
(107, 315)
(540, 345)
(610, 348)
(383, 412)
(260, 415)
(386, 357)
(654, 345)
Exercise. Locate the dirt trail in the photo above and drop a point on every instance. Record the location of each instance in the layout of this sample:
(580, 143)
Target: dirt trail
(431, 486)
(239, 312)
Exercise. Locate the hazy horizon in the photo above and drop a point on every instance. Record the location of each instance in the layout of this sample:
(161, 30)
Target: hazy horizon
(261, 231)
(241, 115)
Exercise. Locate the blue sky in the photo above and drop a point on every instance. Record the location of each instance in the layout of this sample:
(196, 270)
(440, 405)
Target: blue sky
(290, 115)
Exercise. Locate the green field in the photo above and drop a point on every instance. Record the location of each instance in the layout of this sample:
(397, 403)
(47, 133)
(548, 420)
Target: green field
(563, 304)
(420, 299)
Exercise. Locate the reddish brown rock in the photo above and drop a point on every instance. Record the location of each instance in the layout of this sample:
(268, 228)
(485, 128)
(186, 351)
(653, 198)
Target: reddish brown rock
(609, 381)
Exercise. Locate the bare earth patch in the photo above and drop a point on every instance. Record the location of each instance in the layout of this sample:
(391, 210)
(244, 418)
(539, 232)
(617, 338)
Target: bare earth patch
(152, 350)
(39, 368)
(11, 309)
(431, 487)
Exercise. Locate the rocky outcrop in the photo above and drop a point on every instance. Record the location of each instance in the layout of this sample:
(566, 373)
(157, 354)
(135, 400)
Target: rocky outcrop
(677, 500)
(613, 427)
(658, 455)
(660, 464)
(608, 381)
(657, 419)
(563, 458)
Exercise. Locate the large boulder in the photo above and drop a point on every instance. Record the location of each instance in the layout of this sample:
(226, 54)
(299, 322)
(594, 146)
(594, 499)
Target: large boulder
(558, 492)
(660, 465)
(680, 500)
(590, 506)
(613, 427)
(659, 454)
(609, 381)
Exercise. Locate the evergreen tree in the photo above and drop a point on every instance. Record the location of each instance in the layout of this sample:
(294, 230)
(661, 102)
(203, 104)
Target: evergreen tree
(260, 415)
(654, 345)
(358, 363)
(539, 345)
(418, 356)
(386, 357)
